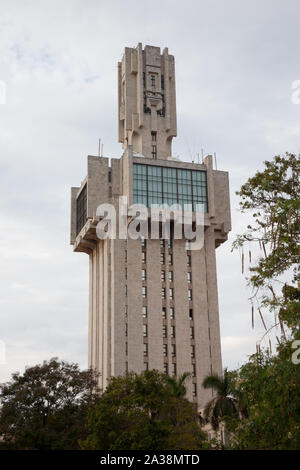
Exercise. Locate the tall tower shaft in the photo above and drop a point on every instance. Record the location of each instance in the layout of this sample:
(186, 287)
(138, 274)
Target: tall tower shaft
(153, 303)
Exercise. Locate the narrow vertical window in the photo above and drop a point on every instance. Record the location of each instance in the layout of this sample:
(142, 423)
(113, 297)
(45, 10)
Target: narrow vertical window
(153, 136)
(189, 277)
(145, 349)
(144, 275)
(172, 313)
(145, 330)
(144, 311)
(190, 294)
(144, 292)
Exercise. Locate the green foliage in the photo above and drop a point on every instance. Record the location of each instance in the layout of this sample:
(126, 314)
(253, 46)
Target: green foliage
(270, 388)
(144, 412)
(45, 408)
(273, 197)
(269, 385)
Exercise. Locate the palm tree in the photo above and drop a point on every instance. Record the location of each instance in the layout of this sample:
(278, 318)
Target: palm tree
(176, 386)
(227, 403)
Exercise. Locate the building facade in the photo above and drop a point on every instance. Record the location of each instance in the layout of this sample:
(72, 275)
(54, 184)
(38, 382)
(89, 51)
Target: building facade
(153, 303)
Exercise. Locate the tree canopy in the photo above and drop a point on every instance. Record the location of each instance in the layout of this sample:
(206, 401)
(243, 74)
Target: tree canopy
(45, 408)
(143, 411)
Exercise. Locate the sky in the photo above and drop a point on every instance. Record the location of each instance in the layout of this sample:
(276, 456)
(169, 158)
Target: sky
(235, 65)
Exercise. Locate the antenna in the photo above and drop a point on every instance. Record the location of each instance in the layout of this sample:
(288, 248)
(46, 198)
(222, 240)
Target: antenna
(198, 158)
(215, 155)
(99, 148)
(202, 154)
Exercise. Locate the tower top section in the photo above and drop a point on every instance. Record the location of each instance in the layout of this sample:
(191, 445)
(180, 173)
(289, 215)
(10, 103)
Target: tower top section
(147, 101)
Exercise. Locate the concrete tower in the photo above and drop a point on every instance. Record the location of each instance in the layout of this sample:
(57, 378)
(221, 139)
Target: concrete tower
(153, 304)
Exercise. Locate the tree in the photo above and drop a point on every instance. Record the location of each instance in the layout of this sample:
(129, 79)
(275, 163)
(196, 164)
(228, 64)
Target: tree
(273, 197)
(45, 408)
(227, 403)
(270, 384)
(138, 412)
(270, 387)
(177, 386)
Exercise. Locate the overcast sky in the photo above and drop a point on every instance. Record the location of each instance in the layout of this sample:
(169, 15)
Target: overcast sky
(235, 64)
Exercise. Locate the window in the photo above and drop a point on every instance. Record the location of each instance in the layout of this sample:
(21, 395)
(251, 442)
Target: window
(189, 260)
(146, 366)
(173, 368)
(189, 277)
(194, 389)
(126, 310)
(172, 331)
(164, 328)
(193, 370)
(173, 346)
(162, 258)
(126, 348)
(126, 329)
(191, 332)
(172, 312)
(144, 257)
(125, 290)
(171, 276)
(81, 207)
(156, 185)
(192, 350)
(170, 243)
(163, 276)
(191, 314)
(144, 311)
(171, 293)
(190, 294)
(143, 242)
(153, 153)
(143, 274)
(145, 330)
(170, 258)
(164, 312)
(145, 349)
(109, 176)
(188, 245)
(153, 81)
(126, 273)
(126, 366)
(144, 292)
(165, 350)
(166, 369)
(162, 244)
(153, 136)
(125, 256)
(163, 293)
